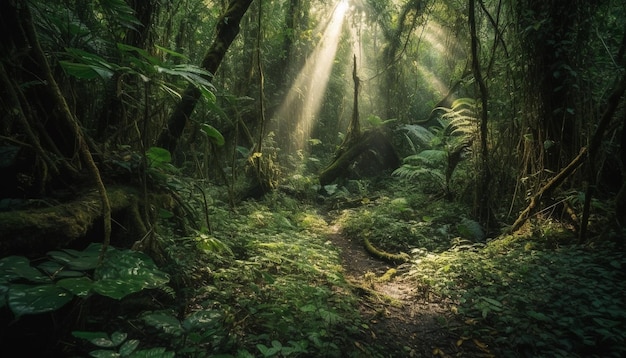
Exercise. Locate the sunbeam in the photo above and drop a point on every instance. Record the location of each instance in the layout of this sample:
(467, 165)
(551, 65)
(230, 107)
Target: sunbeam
(303, 101)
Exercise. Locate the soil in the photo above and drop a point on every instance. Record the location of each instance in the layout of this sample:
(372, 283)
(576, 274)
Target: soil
(407, 322)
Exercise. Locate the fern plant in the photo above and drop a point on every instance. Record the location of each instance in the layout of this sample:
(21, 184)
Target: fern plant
(439, 149)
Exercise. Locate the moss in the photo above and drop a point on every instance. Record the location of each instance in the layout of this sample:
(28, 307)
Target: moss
(388, 276)
(383, 255)
(34, 231)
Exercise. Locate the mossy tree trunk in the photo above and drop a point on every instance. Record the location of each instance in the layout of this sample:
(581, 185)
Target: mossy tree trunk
(226, 31)
(39, 118)
(372, 146)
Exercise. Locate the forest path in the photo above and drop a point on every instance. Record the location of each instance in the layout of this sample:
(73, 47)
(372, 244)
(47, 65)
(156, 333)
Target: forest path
(406, 322)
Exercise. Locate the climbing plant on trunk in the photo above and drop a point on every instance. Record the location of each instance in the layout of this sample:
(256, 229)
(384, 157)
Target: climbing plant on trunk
(226, 31)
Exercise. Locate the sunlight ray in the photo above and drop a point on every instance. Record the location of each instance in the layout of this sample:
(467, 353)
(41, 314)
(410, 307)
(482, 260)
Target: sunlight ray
(304, 98)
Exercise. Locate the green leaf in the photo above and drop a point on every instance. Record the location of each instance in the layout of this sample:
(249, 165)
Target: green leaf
(26, 299)
(57, 271)
(152, 60)
(126, 272)
(13, 268)
(172, 52)
(215, 135)
(129, 347)
(165, 322)
(538, 316)
(158, 156)
(243, 151)
(269, 352)
(309, 308)
(158, 352)
(495, 304)
(104, 354)
(86, 71)
(103, 341)
(89, 335)
(331, 318)
(78, 260)
(118, 337)
(202, 320)
(80, 286)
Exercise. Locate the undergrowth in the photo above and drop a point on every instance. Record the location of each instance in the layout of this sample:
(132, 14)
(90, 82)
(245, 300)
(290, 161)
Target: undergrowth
(263, 280)
(401, 220)
(269, 282)
(540, 294)
(525, 296)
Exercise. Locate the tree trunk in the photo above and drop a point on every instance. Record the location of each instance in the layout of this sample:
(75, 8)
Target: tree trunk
(226, 31)
(595, 146)
(482, 201)
(42, 109)
(368, 153)
(373, 153)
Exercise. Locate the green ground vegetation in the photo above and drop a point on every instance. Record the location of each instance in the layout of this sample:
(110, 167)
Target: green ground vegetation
(265, 281)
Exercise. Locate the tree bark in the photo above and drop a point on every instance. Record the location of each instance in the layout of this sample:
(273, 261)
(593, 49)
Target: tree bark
(482, 192)
(547, 189)
(227, 30)
(371, 142)
(47, 109)
(594, 147)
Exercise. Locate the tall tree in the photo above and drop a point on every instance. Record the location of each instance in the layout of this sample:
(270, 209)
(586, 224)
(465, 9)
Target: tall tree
(482, 192)
(554, 34)
(397, 35)
(227, 30)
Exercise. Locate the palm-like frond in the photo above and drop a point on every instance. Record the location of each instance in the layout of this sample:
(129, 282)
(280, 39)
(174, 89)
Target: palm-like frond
(443, 148)
(430, 157)
(418, 136)
(461, 120)
(413, 171)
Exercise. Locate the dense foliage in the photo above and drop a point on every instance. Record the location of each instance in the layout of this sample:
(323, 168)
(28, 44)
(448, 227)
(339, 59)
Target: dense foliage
(203, 126)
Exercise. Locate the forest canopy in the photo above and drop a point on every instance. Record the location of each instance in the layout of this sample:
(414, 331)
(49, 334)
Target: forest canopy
(439, 133)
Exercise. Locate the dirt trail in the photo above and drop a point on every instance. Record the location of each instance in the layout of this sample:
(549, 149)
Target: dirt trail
(399, 317)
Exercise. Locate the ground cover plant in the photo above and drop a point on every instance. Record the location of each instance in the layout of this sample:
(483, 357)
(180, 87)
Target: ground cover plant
(538, 293)
(266, 281)
(527, 295)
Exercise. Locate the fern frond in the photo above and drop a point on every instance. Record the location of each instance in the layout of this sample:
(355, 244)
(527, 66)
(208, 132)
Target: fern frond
(412, 171)
(433, 156)
(465, 101)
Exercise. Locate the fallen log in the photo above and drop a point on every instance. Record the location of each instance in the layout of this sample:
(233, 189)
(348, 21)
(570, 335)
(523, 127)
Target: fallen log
(34, 231)
(372, 153)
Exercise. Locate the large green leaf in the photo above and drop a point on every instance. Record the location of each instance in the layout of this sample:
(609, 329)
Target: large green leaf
(87, 65)
(172, 52)
(214, 135)
(13, 268)
(57, 270)
(126, 272)
(78, 260)
(90, 335)
(26, 299)
(85, 71)
(202, 320)
(165, 322)
(79, 286)
(158, 156)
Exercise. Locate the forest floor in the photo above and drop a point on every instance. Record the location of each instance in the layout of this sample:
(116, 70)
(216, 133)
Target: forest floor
(408, 323)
